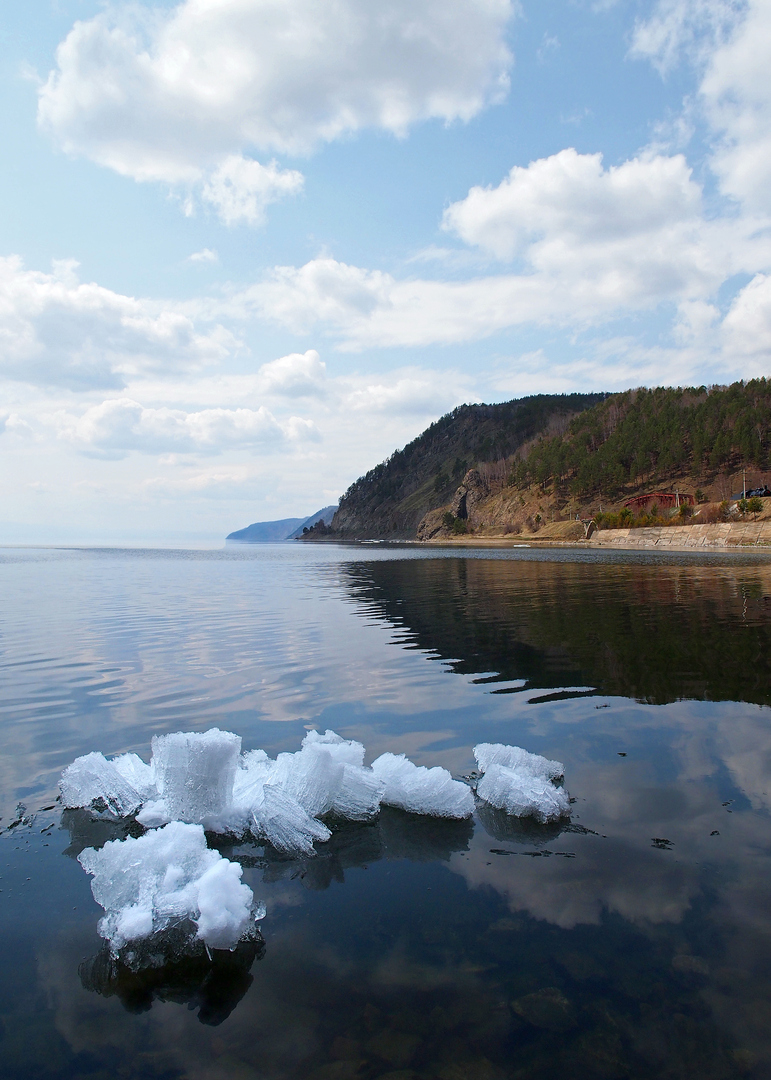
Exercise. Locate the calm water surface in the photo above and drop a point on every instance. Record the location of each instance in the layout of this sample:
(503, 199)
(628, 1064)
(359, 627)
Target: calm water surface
(635, 943)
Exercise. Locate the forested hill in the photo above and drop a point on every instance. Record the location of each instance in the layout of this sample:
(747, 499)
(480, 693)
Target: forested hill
(643, 437)
(392, 498)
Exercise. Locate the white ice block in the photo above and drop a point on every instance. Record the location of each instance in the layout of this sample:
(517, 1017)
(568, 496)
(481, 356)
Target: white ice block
(359, 795)
(93, 777)
(162, 878)
(138, 773)
(522, 794)
(346, 751)
(420, 790)
(311, 776)
(279, 819)
(195, 772)
(514, 757)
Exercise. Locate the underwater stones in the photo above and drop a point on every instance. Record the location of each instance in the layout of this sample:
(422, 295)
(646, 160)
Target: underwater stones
(547, 1009)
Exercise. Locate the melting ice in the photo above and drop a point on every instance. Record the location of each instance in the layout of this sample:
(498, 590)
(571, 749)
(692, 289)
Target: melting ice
(202, 780)
(150, 883)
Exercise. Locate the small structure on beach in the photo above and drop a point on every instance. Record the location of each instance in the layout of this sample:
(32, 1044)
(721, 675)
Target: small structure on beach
(665, 500)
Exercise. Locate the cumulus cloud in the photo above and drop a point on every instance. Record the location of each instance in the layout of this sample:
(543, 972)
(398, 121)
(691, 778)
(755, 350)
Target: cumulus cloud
(296, 375)
(587, 244)
(179, 95)
(417, 392)
(240, 189)
(55, 330)
(119, 425)
(736, 92)
(569, 202)
(729, 40)
(747, 326)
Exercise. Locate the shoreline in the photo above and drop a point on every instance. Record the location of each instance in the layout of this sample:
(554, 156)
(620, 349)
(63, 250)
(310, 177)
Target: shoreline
(721, 537)
(726, 536)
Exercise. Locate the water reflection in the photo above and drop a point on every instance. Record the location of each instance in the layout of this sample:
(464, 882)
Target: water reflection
(656, 633)
(211, 982)
(393, 835)
(634, 944)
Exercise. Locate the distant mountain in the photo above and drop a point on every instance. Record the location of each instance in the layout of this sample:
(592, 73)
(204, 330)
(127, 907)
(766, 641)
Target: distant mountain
(266, 532)
(324, 515)
(262, 532)
(390, 501)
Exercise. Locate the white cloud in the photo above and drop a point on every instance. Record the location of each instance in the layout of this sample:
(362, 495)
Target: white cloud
(736, 92)
(730, 42)
(747, 326)
(55, 330)
(119, 425)
(589, 244)
(417, 392)
(232, 482)
(179, 95)
(296, 375)
(206, 255)
(692, 27)
(240, 189)
(569, 201)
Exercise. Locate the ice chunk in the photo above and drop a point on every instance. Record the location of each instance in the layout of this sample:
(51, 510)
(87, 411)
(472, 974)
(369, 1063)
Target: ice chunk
(310, 776)
(253, 771)
(153, 814)
(137, 773)
(346, 751)
(195, 772)
(420, 790)
(92, 778)
(359, 795)
(522, 794)
(279, 819)
(514, 757)
(158, 880)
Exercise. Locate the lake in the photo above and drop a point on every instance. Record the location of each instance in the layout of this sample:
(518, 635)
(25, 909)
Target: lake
(634, 943)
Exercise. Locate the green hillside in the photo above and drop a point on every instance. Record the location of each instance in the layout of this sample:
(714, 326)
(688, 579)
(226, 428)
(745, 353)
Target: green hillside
(642, 437)
(390, 500)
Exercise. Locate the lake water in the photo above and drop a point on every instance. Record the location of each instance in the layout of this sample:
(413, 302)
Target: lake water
(635, 943)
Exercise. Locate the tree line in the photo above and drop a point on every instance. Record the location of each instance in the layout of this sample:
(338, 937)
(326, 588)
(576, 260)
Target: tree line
(649, 436)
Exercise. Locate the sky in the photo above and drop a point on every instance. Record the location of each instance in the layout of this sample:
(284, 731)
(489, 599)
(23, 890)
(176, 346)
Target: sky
(250, 247)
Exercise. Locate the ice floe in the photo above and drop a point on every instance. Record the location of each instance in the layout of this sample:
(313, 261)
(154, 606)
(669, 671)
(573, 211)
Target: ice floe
(157, 882)
(514, 757)
(92, 779)
(523, 795)
(420, 790)
(521, 784)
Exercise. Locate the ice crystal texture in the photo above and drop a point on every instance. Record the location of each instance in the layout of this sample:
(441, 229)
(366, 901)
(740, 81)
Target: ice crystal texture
(158, 880)
(420, 790)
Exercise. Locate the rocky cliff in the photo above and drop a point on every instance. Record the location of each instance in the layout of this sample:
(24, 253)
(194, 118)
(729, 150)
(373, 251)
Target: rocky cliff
(391, 500)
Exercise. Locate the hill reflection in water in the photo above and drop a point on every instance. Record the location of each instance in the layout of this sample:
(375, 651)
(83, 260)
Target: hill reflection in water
(656, 633)
(633, 944)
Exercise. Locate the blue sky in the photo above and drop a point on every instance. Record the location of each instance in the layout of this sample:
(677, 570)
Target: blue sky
(249, 247)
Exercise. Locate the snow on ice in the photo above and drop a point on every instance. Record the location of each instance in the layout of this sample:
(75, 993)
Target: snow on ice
(158, 880)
